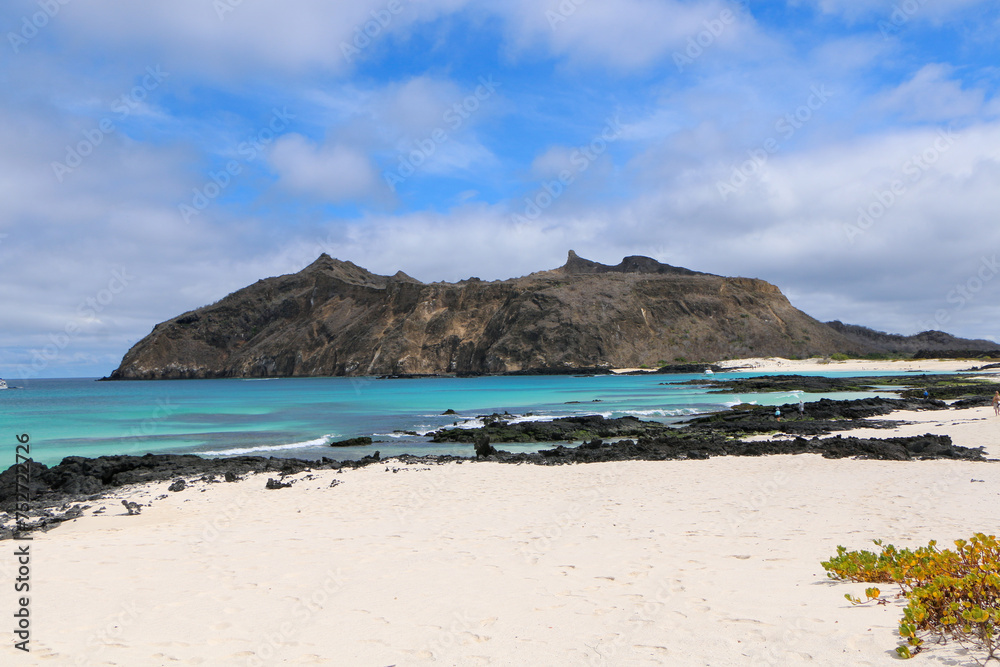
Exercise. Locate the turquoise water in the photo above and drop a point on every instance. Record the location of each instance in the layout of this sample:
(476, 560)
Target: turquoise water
(298, 417)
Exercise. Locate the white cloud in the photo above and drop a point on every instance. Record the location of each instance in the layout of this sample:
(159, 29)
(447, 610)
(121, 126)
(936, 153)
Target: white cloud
(794, 220)
(930, 95)
(333, 172)
(468, 240)
(855, 10)
(656, 193)
(416, 107)
(627, 33)
(226, 39)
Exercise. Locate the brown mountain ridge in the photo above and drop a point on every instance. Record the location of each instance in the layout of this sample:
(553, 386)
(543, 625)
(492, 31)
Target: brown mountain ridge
(336, 318)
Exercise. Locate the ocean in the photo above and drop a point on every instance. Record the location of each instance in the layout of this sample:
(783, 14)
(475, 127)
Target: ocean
(299, 417)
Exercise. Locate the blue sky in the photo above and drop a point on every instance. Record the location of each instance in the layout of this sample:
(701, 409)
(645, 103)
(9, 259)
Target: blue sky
(156, 156)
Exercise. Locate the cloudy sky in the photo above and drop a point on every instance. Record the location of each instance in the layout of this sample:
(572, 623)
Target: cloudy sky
(155, 156)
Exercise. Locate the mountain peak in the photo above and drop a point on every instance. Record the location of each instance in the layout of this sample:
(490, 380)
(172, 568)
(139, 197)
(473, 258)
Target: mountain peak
(348, 272)
(576, 265)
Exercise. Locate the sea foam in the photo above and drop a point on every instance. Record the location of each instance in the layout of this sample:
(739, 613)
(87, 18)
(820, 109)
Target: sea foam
(317, 442)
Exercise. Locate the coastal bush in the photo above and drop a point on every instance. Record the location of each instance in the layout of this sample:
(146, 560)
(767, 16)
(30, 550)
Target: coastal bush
(950, 594)
(887, 356)
(839, 356)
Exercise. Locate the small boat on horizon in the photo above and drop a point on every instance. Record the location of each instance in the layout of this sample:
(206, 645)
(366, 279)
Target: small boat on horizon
(3, 384)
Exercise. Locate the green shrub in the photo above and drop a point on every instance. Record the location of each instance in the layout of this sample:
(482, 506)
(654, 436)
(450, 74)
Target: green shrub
(839, 356)
(951, 594)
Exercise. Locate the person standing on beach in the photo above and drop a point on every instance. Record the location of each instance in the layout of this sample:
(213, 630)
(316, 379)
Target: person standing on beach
(996, 403)
(802, 406)
(777, 414)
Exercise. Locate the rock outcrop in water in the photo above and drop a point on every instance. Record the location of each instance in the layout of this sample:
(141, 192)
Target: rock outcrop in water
(335, 318)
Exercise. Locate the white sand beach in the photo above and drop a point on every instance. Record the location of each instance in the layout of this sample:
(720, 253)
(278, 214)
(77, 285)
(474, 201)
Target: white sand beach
(792, 366)
(819, 365)
(711, 562)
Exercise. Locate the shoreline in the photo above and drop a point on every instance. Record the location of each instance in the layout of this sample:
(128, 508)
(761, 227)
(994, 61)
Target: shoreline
(457, 561)
(792, 366)
(874, 419)
(875, 429)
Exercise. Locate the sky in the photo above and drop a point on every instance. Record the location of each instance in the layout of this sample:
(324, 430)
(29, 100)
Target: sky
(156, 156)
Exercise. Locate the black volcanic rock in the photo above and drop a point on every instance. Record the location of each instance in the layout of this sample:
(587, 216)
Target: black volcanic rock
(677, 446)
(362, 441)
(565, 429)
(482, 445)
(80, 476)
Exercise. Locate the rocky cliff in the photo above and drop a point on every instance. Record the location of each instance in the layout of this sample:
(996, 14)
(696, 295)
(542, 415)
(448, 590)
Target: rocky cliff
(335, 318)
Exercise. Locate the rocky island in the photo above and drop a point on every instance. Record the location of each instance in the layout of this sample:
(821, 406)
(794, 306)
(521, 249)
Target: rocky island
(334, 318)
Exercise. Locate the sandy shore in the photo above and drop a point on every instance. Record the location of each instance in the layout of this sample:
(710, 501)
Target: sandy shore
(711, 562)
(818, 365)
(792, 366)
